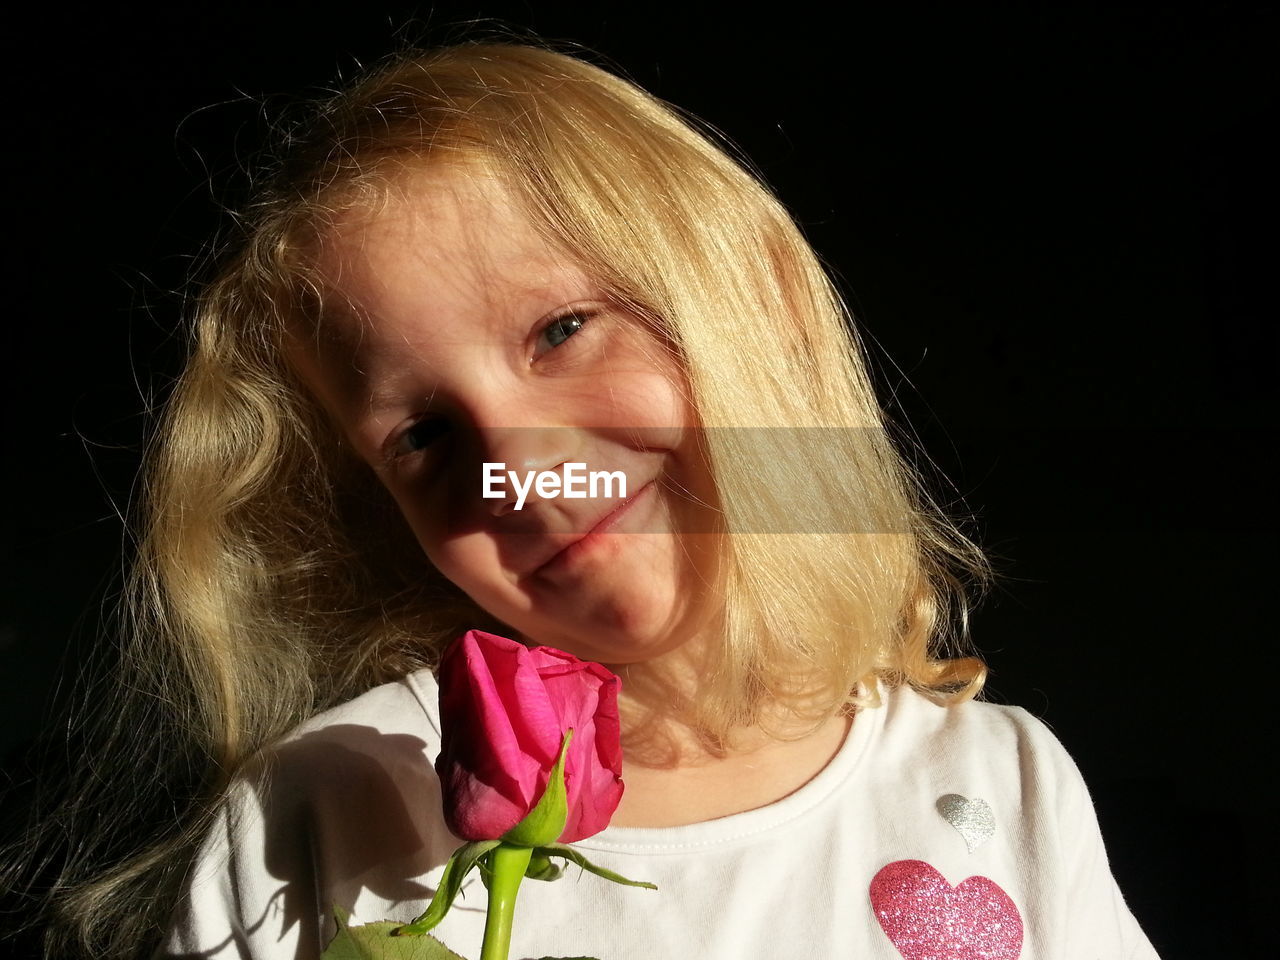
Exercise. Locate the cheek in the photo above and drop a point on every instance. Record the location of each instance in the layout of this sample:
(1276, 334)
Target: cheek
(653, 407)
(470, 562)
(644, 383)
(428, 528)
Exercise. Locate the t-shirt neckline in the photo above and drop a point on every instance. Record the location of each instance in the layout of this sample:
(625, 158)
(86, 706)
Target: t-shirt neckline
(739, 826)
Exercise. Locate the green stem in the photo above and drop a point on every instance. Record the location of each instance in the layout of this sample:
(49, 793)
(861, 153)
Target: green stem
(507, 865)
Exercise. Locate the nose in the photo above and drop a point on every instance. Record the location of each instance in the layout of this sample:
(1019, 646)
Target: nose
(526, 451)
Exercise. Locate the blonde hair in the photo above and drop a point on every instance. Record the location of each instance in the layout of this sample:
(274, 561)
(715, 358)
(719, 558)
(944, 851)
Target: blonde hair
(273, 577)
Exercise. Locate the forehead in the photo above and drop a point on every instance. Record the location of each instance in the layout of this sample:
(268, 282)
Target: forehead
(440, 235)
(448, 255)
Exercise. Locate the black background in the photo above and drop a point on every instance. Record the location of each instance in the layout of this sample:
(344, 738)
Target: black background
(1052, 223)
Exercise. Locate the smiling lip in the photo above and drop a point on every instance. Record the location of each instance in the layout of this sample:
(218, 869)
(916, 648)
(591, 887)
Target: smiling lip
(576, 548)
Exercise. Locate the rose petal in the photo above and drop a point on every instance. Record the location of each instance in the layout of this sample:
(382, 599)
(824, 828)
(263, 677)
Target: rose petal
(505, 708)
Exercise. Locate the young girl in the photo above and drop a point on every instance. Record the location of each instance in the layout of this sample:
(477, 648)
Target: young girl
(500, 254)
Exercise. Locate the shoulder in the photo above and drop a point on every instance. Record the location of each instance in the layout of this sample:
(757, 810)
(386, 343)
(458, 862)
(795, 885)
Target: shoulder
(1000, 757)
(997, 777)
(909, 712)
(408, 705)
(985, 739)
(365, 753)
(345, 805)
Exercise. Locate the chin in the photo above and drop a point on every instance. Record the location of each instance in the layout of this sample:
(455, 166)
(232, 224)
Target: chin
(614, 630)
(624, 647)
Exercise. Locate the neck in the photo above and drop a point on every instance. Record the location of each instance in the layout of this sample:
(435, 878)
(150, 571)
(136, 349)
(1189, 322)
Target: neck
(666, 722)
(761, 772)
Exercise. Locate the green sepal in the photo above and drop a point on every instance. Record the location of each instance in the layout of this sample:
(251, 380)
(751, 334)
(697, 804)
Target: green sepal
(541, 868)
(455, 871)
(560, 850)
(545, 822)
(374, 941)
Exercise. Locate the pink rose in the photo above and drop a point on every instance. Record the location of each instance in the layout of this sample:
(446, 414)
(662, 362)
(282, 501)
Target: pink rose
(504, 710)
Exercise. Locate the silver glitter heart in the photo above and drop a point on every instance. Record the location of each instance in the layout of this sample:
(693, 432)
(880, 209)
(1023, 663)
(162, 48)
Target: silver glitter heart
(972, 819)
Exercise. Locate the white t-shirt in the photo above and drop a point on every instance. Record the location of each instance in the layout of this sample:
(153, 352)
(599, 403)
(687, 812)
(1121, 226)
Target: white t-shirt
(935, 833)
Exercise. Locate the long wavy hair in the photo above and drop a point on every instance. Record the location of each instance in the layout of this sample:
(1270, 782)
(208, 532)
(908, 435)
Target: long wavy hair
(274, 578)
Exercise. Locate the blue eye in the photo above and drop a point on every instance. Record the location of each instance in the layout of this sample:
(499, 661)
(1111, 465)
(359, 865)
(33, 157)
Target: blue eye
(419, 436)
(563, 327)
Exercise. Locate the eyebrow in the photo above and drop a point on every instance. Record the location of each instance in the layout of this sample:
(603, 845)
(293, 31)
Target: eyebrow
(383, 399)
(386, 394)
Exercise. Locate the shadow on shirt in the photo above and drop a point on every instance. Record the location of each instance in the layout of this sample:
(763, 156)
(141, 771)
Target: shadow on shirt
(331, 817)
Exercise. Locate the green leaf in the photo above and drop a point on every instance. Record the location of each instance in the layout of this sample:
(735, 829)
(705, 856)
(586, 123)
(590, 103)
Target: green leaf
(545, 822)
(374, 941)
(541, 868)
(459, 865)
(561, 850)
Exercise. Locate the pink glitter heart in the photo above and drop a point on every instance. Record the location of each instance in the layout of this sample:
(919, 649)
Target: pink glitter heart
(926, 918)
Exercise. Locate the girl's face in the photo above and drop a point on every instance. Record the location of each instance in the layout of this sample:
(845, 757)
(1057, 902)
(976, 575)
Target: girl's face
(455, 338)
